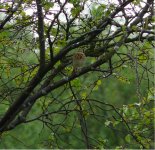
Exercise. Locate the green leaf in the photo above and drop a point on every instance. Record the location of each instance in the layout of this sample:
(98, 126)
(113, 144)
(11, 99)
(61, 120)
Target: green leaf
(99, 82)
(134, 27)
(74, 2)
(128, 138)
(107, 123)
(48, 5)
(136, 2)
(84, 95)
(147, 114)
(75, 11)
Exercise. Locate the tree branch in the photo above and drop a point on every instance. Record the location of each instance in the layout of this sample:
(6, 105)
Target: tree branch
(41, 33)
(10, 15)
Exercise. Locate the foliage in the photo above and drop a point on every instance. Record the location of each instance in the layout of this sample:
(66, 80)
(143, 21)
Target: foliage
(108, 103)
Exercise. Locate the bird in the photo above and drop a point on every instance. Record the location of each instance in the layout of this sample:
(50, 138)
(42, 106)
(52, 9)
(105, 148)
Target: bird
(78, 60)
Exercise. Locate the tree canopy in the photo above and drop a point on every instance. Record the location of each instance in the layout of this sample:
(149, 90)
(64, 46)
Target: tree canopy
(107, 103)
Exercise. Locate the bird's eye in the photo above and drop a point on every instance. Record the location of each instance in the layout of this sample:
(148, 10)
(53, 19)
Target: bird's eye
(79, 56)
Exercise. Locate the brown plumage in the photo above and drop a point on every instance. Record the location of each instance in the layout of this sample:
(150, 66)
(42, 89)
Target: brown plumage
(78, 60)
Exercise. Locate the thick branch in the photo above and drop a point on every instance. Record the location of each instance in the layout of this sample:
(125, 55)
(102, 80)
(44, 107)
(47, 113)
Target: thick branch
(10, 15)
(142, 13)
(41, 33)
